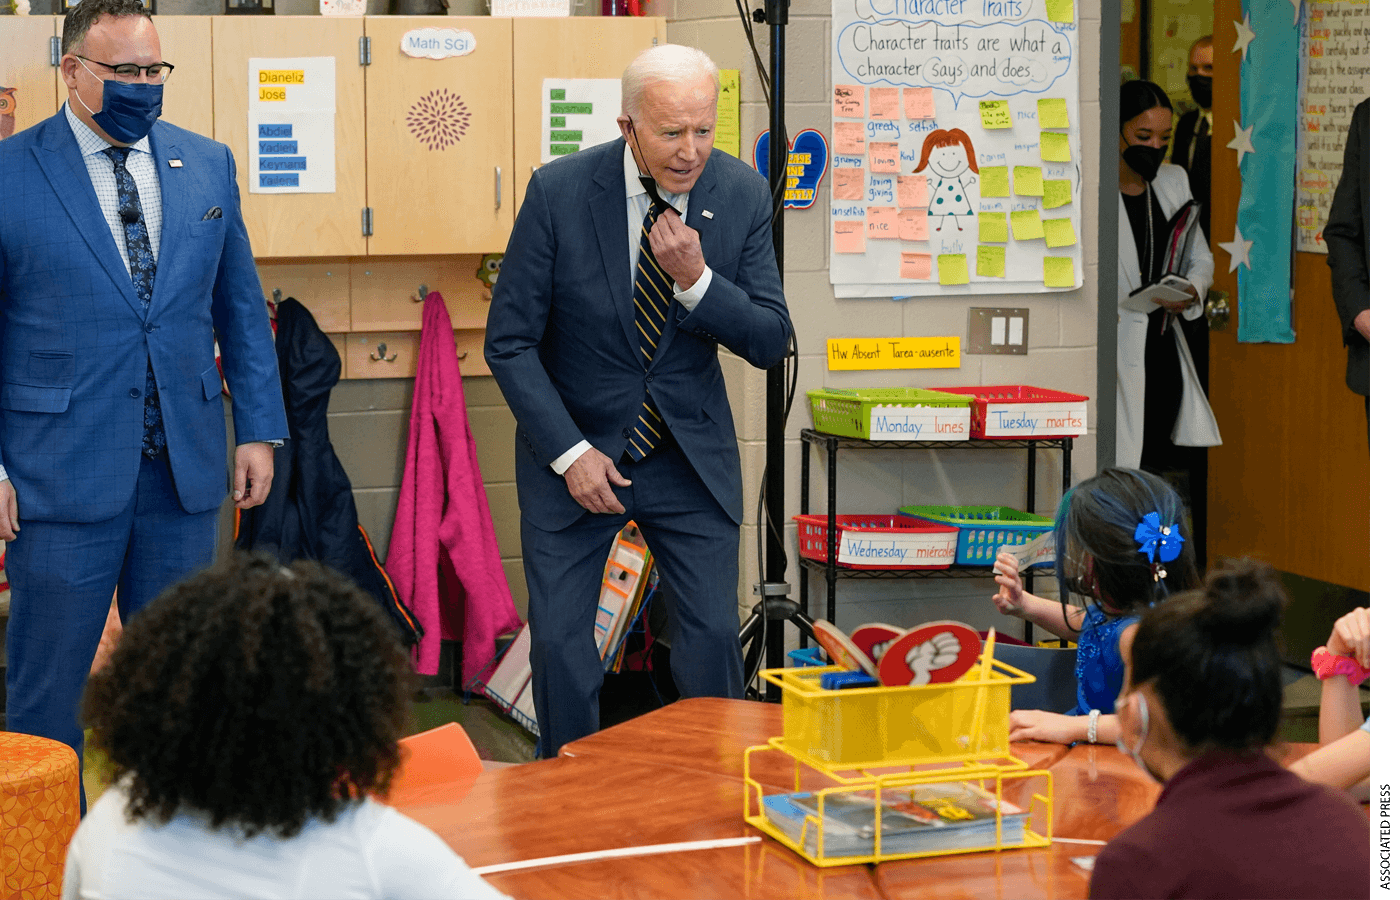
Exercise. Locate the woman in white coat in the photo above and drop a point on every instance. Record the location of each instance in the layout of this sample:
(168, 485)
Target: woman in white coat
(1158, 384)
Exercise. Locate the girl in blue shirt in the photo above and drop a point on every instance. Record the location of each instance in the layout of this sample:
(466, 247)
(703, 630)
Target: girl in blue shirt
(1122, 545)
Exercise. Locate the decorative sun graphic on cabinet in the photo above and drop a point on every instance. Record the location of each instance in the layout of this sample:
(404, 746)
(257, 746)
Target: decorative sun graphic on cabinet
(439, 119)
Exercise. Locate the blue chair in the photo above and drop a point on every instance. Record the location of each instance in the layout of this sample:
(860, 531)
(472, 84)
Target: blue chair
(1054, 689)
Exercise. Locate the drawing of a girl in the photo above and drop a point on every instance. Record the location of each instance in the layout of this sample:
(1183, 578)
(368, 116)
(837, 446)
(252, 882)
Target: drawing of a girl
(948, 154)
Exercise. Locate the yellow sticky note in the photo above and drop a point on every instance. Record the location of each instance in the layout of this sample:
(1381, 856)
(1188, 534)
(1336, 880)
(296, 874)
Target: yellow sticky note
(1060, 10)
(994, 182)
(1059, 233)
(991, 227)
(995, 113)
(884, 103)
(991, 262)
(849, 236)
(913, 225)
(1028, 181)
(849, 184)
(1057, 193)
(1054, 146)
(1052, 112)
(952, 268)
(1025, 225)
(1059, 271)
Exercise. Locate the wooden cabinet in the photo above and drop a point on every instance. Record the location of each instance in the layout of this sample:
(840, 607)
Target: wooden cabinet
(29, 82)
(582, 47)
(188, 101)
(439, 140)
(295, 224)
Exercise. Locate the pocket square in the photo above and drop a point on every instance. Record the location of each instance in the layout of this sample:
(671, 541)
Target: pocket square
(213, 213)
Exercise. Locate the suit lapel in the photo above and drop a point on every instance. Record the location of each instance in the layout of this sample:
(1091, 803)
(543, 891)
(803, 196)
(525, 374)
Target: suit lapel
(177, 207)
(609, 208)
(63, 166)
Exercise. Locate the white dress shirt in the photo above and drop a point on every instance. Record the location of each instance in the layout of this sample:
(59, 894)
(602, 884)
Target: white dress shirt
(637, 205)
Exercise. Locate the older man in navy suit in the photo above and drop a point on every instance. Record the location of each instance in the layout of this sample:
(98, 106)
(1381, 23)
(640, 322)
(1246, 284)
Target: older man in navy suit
(629, 265)
(122, 256)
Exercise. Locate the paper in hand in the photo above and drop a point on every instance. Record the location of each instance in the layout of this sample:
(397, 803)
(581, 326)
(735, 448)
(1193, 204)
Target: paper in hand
(1040, 550)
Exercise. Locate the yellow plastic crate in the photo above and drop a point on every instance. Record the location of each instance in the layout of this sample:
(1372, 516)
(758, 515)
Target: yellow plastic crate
(885, 726)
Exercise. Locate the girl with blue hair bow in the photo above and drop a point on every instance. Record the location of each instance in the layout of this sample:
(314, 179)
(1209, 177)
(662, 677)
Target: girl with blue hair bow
(1122, 545)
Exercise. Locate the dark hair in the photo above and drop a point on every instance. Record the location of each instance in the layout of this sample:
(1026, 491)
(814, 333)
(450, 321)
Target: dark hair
(259, 694)
(1211, 657)
(80, 18)
(1097, 524)
(1137, 97)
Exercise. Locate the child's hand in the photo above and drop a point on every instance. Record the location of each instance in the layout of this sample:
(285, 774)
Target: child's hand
(1039, 725)
(1010, 597)
(1351, 636)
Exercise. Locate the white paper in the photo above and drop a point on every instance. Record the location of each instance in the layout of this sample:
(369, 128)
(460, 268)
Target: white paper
(1033, 419)
(920, 423)
(291, 125)
(915, 548)
(529, 8)
(1038, 552)
(343, 7)
(436, 43)
(578, 113)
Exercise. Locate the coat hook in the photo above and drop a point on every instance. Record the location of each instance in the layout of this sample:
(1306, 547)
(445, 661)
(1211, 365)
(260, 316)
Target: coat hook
(463, 354)
(276, 296)
(376, 357)
(422, 292)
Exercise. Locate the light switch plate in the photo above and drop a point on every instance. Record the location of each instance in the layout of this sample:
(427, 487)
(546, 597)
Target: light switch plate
(991, 330)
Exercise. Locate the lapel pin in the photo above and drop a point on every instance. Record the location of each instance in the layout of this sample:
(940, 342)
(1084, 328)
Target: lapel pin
(707, 214)
(176, 164)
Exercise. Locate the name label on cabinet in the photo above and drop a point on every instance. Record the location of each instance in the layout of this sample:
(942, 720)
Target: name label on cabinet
(437, 43)
(920, 423)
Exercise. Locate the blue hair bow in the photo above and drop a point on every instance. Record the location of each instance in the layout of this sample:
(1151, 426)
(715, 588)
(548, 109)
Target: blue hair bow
(1158, 541)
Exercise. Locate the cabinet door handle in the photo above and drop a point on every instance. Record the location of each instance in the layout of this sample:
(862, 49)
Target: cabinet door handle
(498, 187)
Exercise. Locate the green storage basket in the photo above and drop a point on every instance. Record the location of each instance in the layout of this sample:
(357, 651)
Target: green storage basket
(847, 412)
(983, 530)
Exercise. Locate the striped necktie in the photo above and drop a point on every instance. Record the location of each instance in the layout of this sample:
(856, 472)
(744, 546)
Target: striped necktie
(143, 278)
(651, 297)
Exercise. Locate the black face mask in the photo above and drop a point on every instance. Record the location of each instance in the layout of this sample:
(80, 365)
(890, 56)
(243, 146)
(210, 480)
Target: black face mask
(1200, 89)
(1145, 160)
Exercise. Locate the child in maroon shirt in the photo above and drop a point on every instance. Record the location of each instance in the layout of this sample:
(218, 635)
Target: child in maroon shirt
(1201, 699)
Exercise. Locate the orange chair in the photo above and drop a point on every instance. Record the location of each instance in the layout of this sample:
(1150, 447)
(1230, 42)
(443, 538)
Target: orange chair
(439, 766)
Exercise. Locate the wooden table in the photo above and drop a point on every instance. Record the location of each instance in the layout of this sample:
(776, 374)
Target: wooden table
(677, 775)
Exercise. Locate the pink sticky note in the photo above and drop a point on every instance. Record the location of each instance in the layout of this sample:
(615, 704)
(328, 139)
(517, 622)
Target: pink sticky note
(916, 265)
(913, 225)
(849, 138)
(918, 103)
(884, 157)
(881, 222)
(850, 236)
(884, 103)
(913, 191)
(848, 101)
(847, 184)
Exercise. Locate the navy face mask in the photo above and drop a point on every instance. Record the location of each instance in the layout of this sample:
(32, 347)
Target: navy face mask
(129, 110)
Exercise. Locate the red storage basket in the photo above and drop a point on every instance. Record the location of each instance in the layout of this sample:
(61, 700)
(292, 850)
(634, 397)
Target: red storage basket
(929, 545)
(1032, 398)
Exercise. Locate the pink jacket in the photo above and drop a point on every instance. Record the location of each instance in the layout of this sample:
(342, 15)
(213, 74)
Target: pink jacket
(443, 555)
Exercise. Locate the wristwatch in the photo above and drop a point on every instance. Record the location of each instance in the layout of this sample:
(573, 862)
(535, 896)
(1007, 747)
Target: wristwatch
(1328, 665)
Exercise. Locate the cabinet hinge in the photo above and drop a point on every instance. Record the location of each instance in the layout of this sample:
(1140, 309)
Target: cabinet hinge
(367, 221)
(364, 50)
(55, 51)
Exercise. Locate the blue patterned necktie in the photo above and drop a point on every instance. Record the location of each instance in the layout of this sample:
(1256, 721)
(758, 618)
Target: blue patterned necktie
(651, 295)
(143, 278)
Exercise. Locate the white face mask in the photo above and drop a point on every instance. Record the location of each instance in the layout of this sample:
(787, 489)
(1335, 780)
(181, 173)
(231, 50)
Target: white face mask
(1134, 752)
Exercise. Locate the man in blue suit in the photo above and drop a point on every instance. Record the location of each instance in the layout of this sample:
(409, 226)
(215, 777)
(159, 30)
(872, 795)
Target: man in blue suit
(122, 256)
(630, 263)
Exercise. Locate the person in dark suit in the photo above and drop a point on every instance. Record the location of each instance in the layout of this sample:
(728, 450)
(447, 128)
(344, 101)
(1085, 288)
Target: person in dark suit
(629, 265)
(123, 256)
(1191, 142)
(1348, 236)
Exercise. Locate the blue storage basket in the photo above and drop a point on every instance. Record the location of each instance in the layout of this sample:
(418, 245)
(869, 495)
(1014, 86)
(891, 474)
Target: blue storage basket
(982, 530)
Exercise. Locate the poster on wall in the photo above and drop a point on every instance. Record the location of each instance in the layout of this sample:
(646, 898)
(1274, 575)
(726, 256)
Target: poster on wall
(1336, 57)
(577, 113)
(956, 165)
(291, 125)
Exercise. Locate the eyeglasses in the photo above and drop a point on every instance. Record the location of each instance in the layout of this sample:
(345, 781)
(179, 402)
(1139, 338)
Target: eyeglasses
(158, 72)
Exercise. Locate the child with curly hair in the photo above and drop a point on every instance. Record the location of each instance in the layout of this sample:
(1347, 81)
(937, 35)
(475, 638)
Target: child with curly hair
(249, 713)
(1122, 544)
